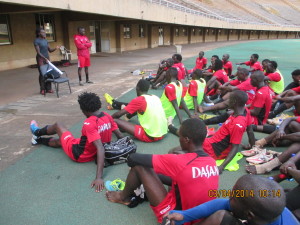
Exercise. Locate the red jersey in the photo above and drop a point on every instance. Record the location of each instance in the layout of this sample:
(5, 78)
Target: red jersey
(249, 89)
(296, 89)
(94, 128)
(193, 88)
(221, 76)
(82, 44)
(170, 92)
(235, 82)
(231, 132)
(254, 66)
(194, 176)
(200, 63)
(263, 100)
(274, 76)
(181, 71)
(227, 66)
(137, 104)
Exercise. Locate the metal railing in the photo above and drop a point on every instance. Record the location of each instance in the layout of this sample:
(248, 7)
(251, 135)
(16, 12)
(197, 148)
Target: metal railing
(212, 15)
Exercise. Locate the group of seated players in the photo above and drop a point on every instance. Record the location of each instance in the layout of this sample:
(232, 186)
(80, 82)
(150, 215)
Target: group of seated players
(247, 98)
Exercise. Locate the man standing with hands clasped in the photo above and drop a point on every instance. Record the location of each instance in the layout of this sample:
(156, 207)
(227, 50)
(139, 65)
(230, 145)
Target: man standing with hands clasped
(83, 44)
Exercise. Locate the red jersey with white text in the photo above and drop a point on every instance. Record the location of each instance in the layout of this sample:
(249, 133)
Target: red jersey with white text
(221, 76)
(227, 66)
(94, 128)
(246, 87)
(231, 132)
(181, 70)
(254, 66)
(82, 44)
(263, 100)
(200, 63)
(194, 176)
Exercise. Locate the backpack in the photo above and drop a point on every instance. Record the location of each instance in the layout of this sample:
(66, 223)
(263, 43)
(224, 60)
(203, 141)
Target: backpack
(116, 152)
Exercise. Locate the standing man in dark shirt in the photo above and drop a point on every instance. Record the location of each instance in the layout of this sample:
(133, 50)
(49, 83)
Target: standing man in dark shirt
(42, 48)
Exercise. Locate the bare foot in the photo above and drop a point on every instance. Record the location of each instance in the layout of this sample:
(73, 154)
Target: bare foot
(200, 108)
(115, 197)
(251, 169)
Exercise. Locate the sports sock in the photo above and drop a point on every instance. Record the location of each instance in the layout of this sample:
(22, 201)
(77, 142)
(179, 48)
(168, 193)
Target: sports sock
(118, 105)
(44, 141)
(268, 129)
(254, 127)
(277, 111)
(217, 119)
(173, 129)
(41, 131)
(268, 166)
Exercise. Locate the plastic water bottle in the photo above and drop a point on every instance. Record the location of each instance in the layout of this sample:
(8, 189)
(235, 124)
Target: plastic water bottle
(220, 124)
(279, 123)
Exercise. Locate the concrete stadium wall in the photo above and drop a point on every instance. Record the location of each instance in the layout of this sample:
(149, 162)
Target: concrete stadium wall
(22, 52)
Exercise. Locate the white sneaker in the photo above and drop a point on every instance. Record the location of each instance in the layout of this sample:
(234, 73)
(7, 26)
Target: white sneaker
(34, 140)
(260, 158)
(170, 120)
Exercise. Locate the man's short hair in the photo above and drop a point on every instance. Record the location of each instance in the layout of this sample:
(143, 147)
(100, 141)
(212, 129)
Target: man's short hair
(178, 57)
(89, 102)
(198, 73)
(143, 85)
(296, 72)
(173, 72)
(241, 97)
(215, 56)
(260, 76)
(79, 28)
(266, 206)
(218, 64)
(194, 129)
(255, 55)
(274, 64)
(265, 60)
(243, 70)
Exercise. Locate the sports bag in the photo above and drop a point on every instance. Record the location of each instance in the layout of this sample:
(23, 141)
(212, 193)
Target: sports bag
(116, 152)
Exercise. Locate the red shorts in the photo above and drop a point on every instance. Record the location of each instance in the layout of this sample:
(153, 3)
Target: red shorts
(168, 204)
(84, 61)
(139, 133)
(67, 140)
(207, 147)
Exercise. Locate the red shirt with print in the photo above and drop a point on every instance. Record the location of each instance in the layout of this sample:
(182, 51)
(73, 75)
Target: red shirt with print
(263, 100)
(82, 44)
(221, 76)
(95, 128)
(254, 66)
(200, 63)
(194, 176)
(227, 66)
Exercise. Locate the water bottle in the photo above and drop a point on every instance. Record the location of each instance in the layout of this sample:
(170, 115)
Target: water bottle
(278, 125)
(220, 124)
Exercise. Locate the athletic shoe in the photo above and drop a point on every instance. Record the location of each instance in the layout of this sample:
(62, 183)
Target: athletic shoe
(206, 116)
(278, 119)
(33, 126)
(115, 185)
(80, 83)
(170, 120)
(89, 82)
(34, 140)
(260, 158)
(108, 98)
(251, 152)
(50, 91)
(208, 104)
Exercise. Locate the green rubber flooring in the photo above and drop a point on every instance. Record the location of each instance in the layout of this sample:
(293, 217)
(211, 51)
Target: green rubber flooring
(46, 187)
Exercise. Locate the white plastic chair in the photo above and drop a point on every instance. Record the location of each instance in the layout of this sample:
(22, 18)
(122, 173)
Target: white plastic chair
(67, 54)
